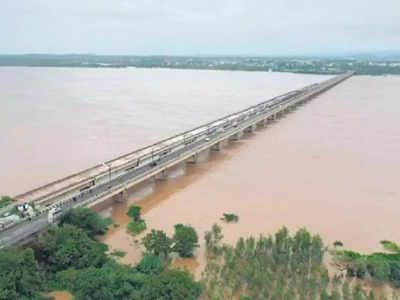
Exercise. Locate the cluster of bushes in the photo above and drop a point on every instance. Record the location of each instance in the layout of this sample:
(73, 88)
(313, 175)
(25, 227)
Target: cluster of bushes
(230, 218)
(281, 267)
(184, 241)
(69, 257)
(137, 225)
(379, 266)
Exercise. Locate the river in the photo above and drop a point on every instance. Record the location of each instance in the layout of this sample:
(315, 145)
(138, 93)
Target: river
(56, 121)
(331, 165)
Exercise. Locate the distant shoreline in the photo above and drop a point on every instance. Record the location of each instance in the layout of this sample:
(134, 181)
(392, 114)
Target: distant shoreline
(300, 65)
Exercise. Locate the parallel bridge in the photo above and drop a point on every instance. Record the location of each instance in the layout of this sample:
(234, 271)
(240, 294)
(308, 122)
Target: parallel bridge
(114, 177)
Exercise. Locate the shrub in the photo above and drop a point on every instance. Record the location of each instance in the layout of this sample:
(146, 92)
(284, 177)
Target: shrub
(118, 253)
(157, 243)
(390, 246)
(231, 218)
(337, 244)
(135, 213)
(136, 227)
(185, 239)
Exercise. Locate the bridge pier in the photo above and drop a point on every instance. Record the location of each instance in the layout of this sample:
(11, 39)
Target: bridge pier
(236, 136)
(122, 196)
(262, 123)
(193, 159)
(163, 175)
(250, 129)
(216, 147)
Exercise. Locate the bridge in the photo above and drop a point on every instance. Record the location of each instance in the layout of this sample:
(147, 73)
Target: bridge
(115, 177)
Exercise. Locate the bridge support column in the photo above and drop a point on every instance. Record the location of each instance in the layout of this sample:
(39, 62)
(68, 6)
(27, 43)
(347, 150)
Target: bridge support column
(122, 196)
(192, 159)
(163, 175)
(250, 129)
(236, 136)
(216, 147)
(261, 123)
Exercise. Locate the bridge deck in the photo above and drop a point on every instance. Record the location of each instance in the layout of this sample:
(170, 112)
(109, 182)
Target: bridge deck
(104, 180)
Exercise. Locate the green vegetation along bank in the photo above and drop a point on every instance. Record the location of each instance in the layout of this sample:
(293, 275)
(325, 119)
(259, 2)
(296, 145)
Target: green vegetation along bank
(379, 266)
(361, 64)
(283, 266)
(68, 257)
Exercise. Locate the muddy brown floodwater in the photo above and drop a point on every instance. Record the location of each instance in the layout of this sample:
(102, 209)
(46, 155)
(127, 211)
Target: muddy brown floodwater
(58, 121)
(331, 166)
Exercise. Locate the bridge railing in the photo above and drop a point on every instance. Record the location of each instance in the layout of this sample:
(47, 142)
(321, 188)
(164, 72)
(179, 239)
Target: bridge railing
(160, 146)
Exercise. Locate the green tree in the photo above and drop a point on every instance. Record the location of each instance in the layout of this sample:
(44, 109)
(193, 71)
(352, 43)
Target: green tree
(86, 219)
(112, 281)
(171, 285)
(157, 243)
(185, 239)
(20, 276)
(213, 240)
(70, 247)
(150, 264)
(135, 213)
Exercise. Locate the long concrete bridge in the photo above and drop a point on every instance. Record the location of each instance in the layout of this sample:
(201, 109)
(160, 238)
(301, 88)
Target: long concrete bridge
(114, 177)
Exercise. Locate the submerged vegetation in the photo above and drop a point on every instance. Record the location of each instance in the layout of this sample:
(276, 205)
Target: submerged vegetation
(281, 267)
(230, 218)
(137, 225)
(379, 266)
(284, 266)
(184, 242)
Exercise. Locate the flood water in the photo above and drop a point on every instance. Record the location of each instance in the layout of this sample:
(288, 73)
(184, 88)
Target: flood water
(331, 165)
(57, 121)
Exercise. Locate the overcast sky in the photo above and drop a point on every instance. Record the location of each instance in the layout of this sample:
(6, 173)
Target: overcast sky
(201, 27)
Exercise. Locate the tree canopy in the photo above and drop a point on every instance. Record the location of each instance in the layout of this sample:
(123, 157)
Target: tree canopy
(69, 246)
(88, 220)
(171, 285)
(134, 213)
(157, 242)
(150, 264)
(20, 276)
(113, 281)
(185, 240)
